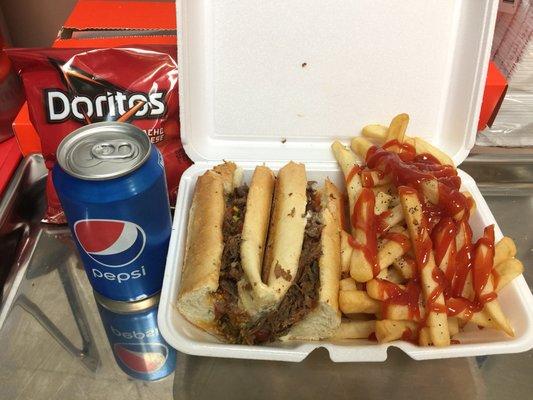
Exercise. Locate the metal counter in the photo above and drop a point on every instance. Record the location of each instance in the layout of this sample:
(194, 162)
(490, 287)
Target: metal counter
(53, 345)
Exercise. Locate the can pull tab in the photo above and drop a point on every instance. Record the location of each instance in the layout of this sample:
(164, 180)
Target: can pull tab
(113, 151)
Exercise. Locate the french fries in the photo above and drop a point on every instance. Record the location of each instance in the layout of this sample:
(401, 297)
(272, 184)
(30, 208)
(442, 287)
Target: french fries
(504, 250)
(389, 330)
(348, 164)
(505, 272)
(397, 128)
(360, 146)
(378, 132)
(485, 255)
(357, 301)
(355, 329)
(382, 202)
(392, 275)
(406, 266)
(422, 147)
(348, 284)
(411, 256)
(437, 320)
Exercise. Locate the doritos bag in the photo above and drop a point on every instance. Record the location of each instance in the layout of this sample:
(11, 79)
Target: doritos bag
(69, 88)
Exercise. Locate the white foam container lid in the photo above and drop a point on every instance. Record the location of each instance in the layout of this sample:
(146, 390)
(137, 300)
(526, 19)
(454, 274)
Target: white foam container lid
(269, 82)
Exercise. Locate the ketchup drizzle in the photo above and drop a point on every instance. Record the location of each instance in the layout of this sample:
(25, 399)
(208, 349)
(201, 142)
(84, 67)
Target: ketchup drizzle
(381, 224)
(399, 238)
(395, 295)
(450, 200)
(443, 237)
(366, 179)
(439, 226)
(483, 260)
(363, 219)
(354, 171)
(463, 260)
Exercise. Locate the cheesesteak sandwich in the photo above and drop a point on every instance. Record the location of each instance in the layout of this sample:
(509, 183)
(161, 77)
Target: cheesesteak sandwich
(262, 262)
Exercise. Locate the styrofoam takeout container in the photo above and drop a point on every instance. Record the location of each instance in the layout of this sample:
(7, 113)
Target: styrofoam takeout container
(279, 80)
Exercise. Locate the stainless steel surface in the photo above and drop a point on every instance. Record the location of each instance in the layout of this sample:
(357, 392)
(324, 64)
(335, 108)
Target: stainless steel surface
(36, 364)
(21, 208)
(103, 150)
(501, 174)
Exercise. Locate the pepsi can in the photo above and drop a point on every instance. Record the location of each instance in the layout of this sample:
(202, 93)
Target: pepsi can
(111, 184)
(138, 347)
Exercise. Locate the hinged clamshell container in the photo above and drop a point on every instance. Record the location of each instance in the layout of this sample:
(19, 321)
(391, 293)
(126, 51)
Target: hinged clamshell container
(268, 82)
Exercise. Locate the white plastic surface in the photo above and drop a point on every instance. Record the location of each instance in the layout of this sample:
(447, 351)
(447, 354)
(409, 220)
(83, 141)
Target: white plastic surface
(516, 299)
(271, 81)
(277, 79)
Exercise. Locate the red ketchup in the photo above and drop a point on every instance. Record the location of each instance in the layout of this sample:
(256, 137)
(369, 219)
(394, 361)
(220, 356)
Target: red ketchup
(363, 219)
(443, 227)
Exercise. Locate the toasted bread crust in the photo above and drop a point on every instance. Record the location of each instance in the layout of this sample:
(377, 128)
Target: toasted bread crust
(256, 222)
(204, 246)
(288, 226)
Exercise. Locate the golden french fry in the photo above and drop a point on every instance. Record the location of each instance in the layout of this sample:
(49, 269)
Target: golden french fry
(377, 132)
(388, 330)
(379, 289)
(506, 271)
(393, 217)
(381, 244)
(430, 189)
(453, 325)
(464, 244)
(424, 338)
(405, 266)
(468, 288)
(347, 284)
(400, 312)
(388, 188)
(504, 250)
(422, 146)
(445, 231)
(394, 201)
(471, 200)
(361, 265)
(480, 318)
(389, 251)
(348, 162)
(355, 329)
(397, 128)
(371, 178)
(492, 307)
(382, 202)
(346, 252)
(357, 301)
(396, 245)
(437, 320)
(392, 275)
(360, 146)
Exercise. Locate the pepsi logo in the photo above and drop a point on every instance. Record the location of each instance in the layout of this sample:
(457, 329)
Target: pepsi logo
(109, 242)
(142, 357)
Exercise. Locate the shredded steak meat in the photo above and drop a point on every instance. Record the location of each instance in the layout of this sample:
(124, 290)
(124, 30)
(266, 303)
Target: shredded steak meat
(228, 315)
(302, 295)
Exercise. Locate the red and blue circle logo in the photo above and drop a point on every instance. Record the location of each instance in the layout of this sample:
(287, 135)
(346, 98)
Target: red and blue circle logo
(142, 357)
(112, 243)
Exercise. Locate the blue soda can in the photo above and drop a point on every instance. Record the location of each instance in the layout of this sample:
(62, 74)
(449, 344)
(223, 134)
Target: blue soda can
(139, 349)
(111, 184)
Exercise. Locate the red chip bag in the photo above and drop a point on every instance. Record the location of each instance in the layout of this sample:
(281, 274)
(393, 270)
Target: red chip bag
(69, 88)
